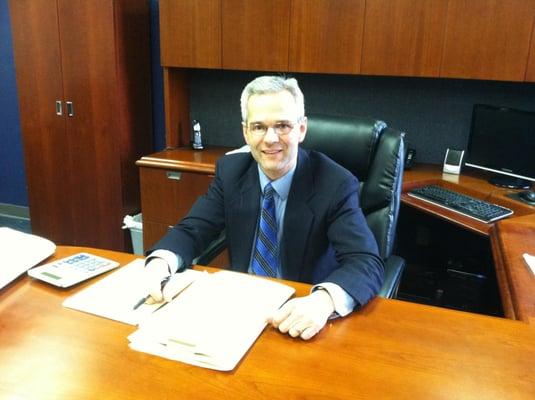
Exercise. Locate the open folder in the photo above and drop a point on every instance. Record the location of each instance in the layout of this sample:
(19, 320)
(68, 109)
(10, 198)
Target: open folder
(212, 322)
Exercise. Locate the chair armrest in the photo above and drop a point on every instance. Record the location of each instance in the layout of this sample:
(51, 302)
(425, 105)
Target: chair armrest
(394, 266)
(212, 251)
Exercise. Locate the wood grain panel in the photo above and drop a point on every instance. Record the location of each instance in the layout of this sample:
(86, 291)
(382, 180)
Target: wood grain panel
(487, 39)
(190, 33)
(530, 70)
(514, 237)
(176, 104)
(38, 67)
(165, 199)
(326, 35)
(88, 56)
(152, 232)
(133, 66)
(255, 34)
(403, 37)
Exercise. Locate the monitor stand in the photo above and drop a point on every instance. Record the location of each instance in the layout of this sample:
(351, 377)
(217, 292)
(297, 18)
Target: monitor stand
(510, 182)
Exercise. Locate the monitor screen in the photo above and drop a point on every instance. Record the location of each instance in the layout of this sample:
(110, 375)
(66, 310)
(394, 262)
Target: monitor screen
(502, 140)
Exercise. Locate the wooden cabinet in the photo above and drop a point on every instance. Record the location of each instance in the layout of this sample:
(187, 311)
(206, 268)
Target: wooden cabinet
(487, 39)
(403, 37)
(84, 100)
(530, 71)
(477, 39)
(171, 181)
(326, 36)
(190, 33)
(255, 34)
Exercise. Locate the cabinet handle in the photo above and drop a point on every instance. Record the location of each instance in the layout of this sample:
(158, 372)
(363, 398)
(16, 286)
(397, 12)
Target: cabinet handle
(70, 109)
(59, 108)
(173, 175)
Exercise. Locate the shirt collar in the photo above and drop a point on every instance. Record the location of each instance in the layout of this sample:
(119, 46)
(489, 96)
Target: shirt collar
(281, 185)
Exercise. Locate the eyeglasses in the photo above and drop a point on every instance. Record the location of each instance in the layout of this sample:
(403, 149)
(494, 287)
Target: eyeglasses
(280, 128)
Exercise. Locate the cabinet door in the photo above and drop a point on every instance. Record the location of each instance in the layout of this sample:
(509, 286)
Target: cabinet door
(530, 71)
(38, 68)
(88, 63)
(190, 33)
(404, 37)
(488, 39)
(326, 35)
(255, 34)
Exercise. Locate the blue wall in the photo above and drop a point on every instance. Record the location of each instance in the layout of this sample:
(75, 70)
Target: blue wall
(12, 177)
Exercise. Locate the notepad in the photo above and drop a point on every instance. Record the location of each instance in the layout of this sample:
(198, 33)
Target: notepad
(115, 295)
(214, 322)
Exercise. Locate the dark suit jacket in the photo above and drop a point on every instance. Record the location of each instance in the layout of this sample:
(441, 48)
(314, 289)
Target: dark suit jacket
(325, 236)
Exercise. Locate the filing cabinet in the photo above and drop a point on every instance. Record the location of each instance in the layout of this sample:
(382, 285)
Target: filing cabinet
(170, 183)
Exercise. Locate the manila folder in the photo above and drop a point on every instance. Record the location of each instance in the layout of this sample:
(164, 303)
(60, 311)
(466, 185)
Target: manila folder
(214, 322)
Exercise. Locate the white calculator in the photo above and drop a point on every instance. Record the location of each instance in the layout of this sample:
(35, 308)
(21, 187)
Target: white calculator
(73, 269)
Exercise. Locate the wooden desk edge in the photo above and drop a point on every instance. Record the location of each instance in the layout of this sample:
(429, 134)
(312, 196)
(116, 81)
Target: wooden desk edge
(431, 174)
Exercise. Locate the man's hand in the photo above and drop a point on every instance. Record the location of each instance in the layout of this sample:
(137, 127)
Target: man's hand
(304, 316)
(156, 271)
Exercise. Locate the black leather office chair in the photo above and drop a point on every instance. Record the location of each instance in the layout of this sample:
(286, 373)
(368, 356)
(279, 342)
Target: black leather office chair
(375, 154)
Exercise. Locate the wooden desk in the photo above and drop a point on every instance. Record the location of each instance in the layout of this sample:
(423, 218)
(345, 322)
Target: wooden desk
(509, 238)
(389, 350)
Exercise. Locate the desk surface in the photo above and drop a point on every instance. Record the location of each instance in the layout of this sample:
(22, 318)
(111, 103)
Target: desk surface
(510, 238)
(390, 349)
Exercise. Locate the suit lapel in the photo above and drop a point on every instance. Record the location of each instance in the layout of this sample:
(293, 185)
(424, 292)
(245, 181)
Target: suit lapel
(297, 220)
(244, 216)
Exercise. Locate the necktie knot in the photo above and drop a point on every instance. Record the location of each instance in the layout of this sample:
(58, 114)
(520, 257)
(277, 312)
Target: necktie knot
(268, 192)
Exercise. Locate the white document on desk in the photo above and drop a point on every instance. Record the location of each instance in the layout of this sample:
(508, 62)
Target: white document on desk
(19, 252)
(214, 322)
(115, 295)
(530, 261)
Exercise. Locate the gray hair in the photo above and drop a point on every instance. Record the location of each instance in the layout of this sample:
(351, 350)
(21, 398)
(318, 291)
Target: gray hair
(270, 85)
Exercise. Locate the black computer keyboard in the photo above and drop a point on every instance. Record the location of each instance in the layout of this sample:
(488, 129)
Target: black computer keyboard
(466, 205)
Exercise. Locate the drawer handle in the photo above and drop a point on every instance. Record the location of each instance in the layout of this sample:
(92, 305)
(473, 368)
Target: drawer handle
(173, 175)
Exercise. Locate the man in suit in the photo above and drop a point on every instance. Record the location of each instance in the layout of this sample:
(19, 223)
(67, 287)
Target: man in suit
(288, 213)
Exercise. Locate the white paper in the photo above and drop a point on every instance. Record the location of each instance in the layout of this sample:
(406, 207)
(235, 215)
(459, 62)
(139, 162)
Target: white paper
(19, 252)
(214, 322)
(115, 295)
(530, 261)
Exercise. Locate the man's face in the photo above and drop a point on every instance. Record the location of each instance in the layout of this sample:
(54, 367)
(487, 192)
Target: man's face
(276, 154)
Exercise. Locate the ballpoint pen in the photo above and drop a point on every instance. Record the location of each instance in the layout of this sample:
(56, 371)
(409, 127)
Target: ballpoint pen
(144, 299)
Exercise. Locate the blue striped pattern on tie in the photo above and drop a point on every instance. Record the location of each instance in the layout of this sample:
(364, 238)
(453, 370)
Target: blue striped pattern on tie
(266, 254)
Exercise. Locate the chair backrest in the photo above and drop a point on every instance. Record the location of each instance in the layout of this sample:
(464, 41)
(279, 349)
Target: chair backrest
(374, 153)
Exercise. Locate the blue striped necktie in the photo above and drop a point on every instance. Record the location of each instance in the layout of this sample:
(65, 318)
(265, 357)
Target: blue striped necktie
(266, 254)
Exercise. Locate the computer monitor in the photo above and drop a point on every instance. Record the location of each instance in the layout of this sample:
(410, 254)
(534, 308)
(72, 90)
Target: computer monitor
(502, 140)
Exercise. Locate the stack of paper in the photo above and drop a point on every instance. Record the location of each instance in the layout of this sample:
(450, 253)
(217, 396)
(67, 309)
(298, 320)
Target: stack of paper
(214, 322)
(115, 295)
(19, 252)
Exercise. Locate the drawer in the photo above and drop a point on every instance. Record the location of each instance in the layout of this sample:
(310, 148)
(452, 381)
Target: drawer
(167, 195)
